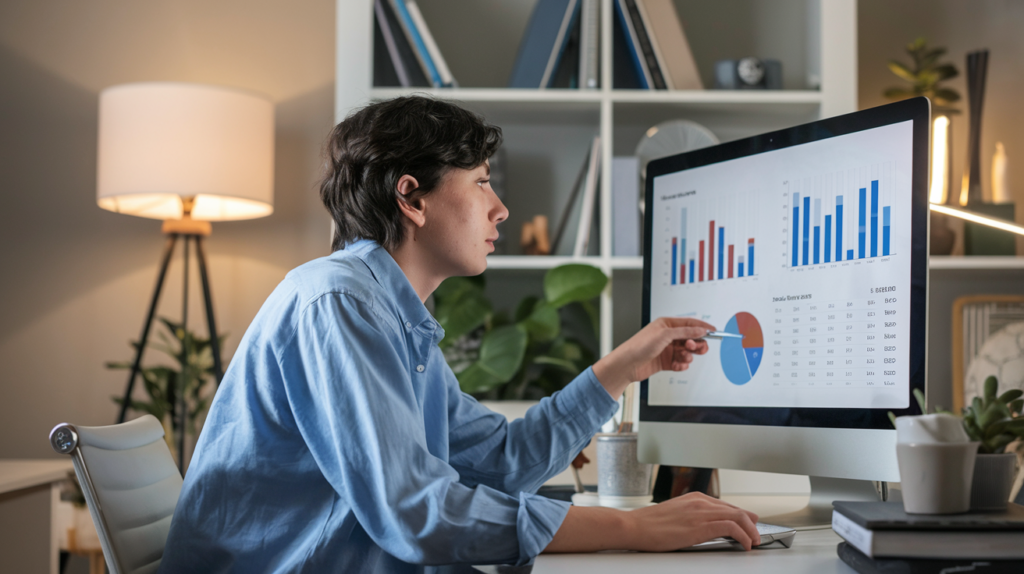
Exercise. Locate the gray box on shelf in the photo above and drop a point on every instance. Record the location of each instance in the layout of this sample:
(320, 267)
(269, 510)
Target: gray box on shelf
(626, 206)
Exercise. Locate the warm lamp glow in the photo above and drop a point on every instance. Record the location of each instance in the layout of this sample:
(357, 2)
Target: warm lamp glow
(940, 133)
(162, 142)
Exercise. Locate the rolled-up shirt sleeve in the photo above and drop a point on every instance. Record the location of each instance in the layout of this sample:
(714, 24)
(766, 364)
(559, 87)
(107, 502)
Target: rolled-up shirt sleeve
(353, 393)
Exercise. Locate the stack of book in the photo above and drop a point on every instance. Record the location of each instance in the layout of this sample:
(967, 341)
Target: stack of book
(561, 45)
(882, 538)
(405, 53)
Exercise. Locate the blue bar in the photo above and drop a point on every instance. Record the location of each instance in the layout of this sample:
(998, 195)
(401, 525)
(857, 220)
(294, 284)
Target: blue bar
(674, 260)
(839, 228)
(874, 218)
(807, 228)
(817, 244)
(750, 257)
(721, 250)
(691, 271)
(849, 254)
(740, 266)
(862, 222)
(828, 237)
(796, 219)
(682, 245)
(885, 230)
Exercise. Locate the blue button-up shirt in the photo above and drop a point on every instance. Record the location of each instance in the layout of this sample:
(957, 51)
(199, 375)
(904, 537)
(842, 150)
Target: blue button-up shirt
(339, 441)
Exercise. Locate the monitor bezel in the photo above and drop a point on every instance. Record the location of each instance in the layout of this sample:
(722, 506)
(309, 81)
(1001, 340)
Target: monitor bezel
(917, 110)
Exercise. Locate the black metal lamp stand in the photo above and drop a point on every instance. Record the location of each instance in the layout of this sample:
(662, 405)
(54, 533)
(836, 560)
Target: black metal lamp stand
(190, 231)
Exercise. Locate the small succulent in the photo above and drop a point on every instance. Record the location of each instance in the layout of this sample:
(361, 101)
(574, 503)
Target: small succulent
(995, 421)
(924, 75)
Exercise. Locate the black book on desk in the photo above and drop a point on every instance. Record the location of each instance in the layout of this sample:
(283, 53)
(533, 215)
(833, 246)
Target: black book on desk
(884, 530)
(865, 565)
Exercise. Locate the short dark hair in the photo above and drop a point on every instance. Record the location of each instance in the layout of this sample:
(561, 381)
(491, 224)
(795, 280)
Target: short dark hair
(375, 146)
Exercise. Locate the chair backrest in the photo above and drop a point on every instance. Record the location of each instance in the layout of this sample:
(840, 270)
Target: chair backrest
(131, 486)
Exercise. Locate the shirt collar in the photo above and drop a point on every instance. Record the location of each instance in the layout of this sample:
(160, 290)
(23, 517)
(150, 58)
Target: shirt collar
(390, 276)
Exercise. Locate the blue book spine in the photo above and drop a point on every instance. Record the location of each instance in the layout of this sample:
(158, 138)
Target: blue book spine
(634, 51)
(538, 43)
(417, 41)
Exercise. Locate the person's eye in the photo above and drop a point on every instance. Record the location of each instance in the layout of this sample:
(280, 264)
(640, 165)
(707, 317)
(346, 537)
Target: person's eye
(483, 182)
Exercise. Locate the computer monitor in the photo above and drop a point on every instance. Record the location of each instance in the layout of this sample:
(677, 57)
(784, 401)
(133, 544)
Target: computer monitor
(811, 245)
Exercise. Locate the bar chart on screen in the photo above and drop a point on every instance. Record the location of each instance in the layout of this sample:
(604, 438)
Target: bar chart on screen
(711, 240)
(844, 216)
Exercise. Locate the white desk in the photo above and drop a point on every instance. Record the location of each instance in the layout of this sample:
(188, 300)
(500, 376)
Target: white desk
(28, 501)
(812, 552)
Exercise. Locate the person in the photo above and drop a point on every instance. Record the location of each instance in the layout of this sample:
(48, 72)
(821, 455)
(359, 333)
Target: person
(339, 440)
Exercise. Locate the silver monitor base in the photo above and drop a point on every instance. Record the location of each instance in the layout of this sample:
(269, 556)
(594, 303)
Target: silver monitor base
(818, 512)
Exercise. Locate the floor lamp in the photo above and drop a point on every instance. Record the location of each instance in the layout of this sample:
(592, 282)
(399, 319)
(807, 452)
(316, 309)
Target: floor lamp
(188, 154)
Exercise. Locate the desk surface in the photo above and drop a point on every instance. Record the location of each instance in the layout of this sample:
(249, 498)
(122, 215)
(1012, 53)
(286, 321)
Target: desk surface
(812, 552)
(16, 474)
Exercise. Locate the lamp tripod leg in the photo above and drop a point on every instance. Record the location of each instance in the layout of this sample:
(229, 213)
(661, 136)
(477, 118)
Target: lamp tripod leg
(185, 371)
(211, 323)
(143, 338)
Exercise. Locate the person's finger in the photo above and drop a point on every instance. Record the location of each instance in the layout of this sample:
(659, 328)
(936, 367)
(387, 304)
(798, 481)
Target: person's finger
(723, 528)
(688, 322)
(682, 333)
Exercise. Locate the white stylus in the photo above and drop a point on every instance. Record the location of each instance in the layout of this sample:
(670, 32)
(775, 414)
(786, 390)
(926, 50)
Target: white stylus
(722, 335)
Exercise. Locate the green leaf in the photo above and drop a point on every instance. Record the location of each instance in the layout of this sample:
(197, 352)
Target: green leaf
(475, 379)
(1016, 406)
(902, 71)
(573, 282)
(595, 318)
(919, 397)
(460, 307)
(991, 388)
(1010, 396)
(946, 96)
(892, 419)
(502, 350)
(525, 307)
(565, 365)
(945, 72)
(543, 324)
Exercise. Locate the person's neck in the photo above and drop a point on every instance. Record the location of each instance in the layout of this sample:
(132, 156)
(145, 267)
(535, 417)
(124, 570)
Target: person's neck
(418, 266)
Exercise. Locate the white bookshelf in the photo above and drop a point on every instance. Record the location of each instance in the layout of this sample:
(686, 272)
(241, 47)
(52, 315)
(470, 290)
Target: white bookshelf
(533, 118)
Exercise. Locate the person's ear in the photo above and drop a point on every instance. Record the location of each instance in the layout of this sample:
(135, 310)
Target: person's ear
(413, 209)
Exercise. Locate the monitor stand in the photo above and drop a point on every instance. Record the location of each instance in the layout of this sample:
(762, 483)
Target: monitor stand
(818, 512)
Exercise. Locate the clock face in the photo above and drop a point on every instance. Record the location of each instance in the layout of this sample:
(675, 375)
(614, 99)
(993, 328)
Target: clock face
(751, 71)
(1001, 355)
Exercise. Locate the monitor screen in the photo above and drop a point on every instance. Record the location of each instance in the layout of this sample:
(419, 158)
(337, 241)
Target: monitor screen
(809, 247)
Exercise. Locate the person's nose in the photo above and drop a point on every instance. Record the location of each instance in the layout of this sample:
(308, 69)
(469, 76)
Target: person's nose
(499, 212)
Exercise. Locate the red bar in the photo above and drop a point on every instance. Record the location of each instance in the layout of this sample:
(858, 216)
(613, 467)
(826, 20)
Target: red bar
(682, 273)
(750, 241)
(711, 250)
(729, 269)
(700, 263)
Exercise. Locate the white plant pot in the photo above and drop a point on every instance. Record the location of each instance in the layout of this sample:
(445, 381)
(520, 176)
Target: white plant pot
(993, 481)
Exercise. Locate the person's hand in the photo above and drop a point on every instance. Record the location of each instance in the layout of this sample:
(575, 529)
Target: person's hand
(688, 520)
(666, 344)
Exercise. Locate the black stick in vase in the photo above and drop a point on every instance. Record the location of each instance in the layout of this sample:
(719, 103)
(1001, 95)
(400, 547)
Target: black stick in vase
(977, 69)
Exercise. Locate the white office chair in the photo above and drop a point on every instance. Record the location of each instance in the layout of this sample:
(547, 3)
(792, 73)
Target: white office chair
(131, 486)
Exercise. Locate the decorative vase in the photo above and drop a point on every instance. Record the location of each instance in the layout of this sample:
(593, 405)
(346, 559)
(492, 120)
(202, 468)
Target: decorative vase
(993, 480)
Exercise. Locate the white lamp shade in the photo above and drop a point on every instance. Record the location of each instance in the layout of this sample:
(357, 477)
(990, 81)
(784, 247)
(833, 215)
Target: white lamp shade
(161, 142)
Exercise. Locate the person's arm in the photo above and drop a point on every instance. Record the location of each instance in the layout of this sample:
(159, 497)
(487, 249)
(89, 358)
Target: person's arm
(352, 390)
(676, 523)
(521, 455)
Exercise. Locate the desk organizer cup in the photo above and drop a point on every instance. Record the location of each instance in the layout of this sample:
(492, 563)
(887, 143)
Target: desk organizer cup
(619, 474)
(936, 461)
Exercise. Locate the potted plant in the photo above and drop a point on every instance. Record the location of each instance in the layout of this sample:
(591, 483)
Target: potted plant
(189, 377)
(523, 355)
(995, 422)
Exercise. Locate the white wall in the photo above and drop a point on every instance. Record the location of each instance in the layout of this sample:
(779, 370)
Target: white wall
(76, 279)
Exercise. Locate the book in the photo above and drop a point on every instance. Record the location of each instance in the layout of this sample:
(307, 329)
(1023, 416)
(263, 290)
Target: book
(543, 43)
(389, 40)
(625, 206)
(590, 44)
(625, 76)
(644, 47)
(883, 529)
(567, 73)
(563, 221)
(589, 195)
(412, 34)
(670, 46)
(632, 44)
(443, 73)
(866, 565)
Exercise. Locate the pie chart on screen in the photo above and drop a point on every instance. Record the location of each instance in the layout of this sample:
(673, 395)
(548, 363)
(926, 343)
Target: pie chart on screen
(741, 357)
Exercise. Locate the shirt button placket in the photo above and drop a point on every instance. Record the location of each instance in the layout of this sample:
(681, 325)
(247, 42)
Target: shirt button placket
(419, 368)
